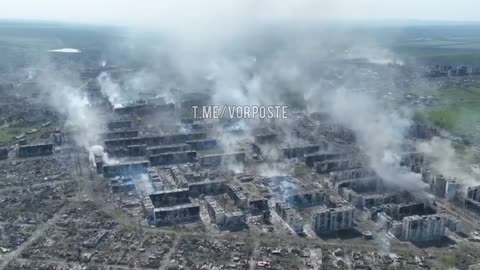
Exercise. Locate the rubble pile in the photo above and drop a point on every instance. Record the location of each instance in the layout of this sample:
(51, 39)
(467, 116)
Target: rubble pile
(199, 253)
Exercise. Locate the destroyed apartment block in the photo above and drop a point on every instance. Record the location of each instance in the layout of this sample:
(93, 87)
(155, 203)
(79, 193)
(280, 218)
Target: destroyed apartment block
(472, 202)
(337, 165)
(170, 197)
(358, 183)
(367, 194)
(409, 159)
(268, 137)
(452, 189)
(453, 224)
(208, 187)
(221, 158)
(362, 201)
(203, 145)
(121, 184)
(132, 133)
(120, 124)
(258, 205)
(310, 159)
(137, 150)
(236, 193)
(156, 140)
(400, 210)
(35, 150)
(327, 220)
(171, 207)
(300, 151)
(156, 150)
(392, 218)
(97, 163)
(168, 177)
(127, 168)
(128, 151)
(439, 185)
(423, 228)
(231, 220)
(337, 176)
(177, 214)
(143, 108)
(173, 158)
(308, 198)
(178, 177)
(290, 216)
(3, 153)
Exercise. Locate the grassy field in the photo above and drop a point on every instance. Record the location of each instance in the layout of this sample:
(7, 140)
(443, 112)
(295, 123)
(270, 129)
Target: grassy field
(458, 110)
(8, 134)
(449, 44)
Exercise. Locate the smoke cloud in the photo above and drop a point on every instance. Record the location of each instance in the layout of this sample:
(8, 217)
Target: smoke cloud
(444, 160)
(380, 134)
(261, 53)
(66, 94)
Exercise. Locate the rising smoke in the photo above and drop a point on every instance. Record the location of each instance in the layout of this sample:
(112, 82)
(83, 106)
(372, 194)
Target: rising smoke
(66, 93)
(444, 160)
(290, 60)
(265, 53)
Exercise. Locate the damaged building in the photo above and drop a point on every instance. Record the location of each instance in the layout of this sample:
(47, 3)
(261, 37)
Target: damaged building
(172, 158)
(368, 193)
(225, 219)
(126, 168)
(222, 158)
(35, 150)
(337, 165)
(308, 198)
(327, 220)
(290, 216)
(156, 140)
(423, 228)
(171, 207)
(3, 153)
(472, 202)
(300, 151)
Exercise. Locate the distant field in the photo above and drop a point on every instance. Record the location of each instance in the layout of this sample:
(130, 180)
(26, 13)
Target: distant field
(454, 44)
(458, 110)
(8, 134)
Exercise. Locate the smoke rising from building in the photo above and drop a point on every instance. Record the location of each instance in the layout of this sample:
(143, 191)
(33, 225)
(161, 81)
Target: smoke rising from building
(380, 134)
(445, 161)
(65, 94)
(279, 58)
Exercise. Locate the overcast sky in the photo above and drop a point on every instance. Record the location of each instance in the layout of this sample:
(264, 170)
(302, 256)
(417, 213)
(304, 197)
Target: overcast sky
(166, 13)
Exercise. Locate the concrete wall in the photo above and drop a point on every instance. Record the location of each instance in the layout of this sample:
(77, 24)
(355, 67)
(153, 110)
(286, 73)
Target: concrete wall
(332, 219)
(173, 158)
(124, 169)
(423, 228)
(35, 150)
(170, 197)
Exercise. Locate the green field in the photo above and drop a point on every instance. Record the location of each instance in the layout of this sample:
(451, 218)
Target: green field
(8, 134)
(458, 110)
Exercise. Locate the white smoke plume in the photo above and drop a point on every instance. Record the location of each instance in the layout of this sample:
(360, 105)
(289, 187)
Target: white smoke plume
(67, 95)
(271, 54)
(143, 185)
(111, 90)
(380, 133)
(445, 161)
(98, 151)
